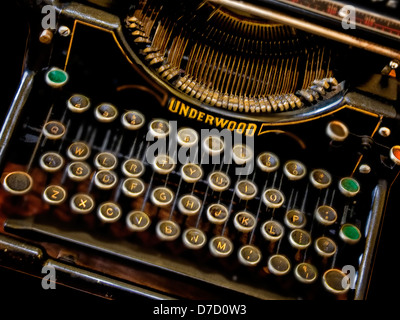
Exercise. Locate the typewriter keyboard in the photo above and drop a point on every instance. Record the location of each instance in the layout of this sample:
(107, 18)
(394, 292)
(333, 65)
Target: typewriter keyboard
(206, 195)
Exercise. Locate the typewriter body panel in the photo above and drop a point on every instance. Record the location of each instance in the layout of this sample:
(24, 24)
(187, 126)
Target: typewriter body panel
(200, 151)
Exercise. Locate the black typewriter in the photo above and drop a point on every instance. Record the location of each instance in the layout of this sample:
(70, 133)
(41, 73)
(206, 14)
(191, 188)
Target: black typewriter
(203, 149)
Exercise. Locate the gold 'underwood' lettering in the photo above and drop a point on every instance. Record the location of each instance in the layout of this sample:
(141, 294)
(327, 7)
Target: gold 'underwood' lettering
(176, 106)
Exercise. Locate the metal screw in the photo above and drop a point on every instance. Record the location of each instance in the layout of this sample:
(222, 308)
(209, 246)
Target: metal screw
(64, 31)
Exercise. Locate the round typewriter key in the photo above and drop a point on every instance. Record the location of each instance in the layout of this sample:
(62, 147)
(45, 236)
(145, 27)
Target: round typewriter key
(299, 239)
(305, 272)
(133, 168)
(220, 246)
(337, 130)
(194, 238)
(137, 221)
(133, 187)
(78, 103)
(349, 187)
(78, 151)
(18, 182)
(162, 196)
(81, 203)
(295, 219)
(219, 181)
(242, 154)
(54, 194)
(187, 137)
(320, 178)
(105, 160)
(325, 247)
(325, 215)
(217, 213)
(189, 204)
(56, 77)
(336, 281)
(278, 265)
(213, 145)
(78, 171)
(51, 161)
(273, 198)
(245, 189)
(105, 179)
(249, 255)
(244, 221)
(272, 230)
(395, 154)
(167, 230)
(163, 164)
(159, 128)
(109, 212)
(294, 170)
(349, 233)
(191, 172)
(133, 120)
(268, 162)
(54, 130)
(106, 112)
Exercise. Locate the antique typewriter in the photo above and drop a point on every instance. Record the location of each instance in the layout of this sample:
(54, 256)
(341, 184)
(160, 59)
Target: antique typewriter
(203, 149)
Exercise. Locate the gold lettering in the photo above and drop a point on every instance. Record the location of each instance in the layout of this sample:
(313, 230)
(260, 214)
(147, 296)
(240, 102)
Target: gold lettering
(194, 239)
(221, 122)
(184, 110)
(109, 211)
(163, 196)
(245, 221)
(167, 230)
(79, 151)
(82, 203)
(192, 113)
(189, 204)
(55, 193)
(174, 107)
(201, 115)
(220, 246)
(209, 119)
(79, 171)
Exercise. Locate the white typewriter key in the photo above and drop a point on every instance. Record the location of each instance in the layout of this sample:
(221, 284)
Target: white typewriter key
(133, 187)
(167, 230)
(337, 131)
(268, 162)
(220, 246)
(105, 179)
(162, 196)
(299, 239)
(246, 189)
(325, 215)
(295, 219)
(305, 272)
(320, 178)
(249, 255)
(189, 204)
(159, 128)
(109, 212)
(219, 181)
(54, 130)
(325, 247)
(78, 151)
(217, 213)
(191, 172)
(213, 145)
(54, 194)
(187, 137)
(81, 203)
(242, 154)
(244, 221)
(78, 171)
(194, 238)
(133, 168)
(336, 281)
(273, 198)
(105, 160)
(163, 164)
(78, 103)
(51, 161)
(137, 221)
(272, 230)
(294, 170)
(106, 112)
(18, 182)
(278, 265)
(133, 120)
